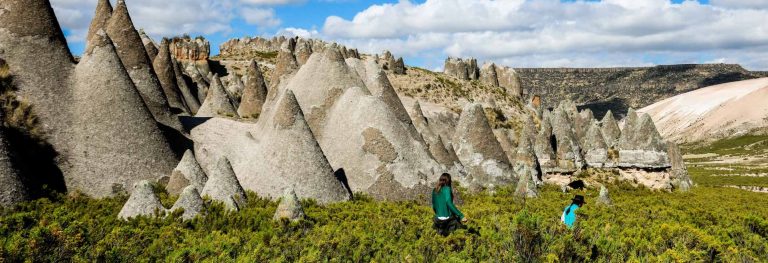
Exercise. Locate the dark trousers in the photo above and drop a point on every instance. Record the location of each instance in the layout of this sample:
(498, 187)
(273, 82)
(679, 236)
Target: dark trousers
(447, 226)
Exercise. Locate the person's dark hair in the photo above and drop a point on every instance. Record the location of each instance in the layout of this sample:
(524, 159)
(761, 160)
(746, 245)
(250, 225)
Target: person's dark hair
(445, 180)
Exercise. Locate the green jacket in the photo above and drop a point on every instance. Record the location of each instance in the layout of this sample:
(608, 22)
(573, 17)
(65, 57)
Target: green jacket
(443, 205)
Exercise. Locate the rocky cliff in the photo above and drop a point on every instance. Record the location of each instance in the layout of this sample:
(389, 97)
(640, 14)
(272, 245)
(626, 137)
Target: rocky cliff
(617, 89)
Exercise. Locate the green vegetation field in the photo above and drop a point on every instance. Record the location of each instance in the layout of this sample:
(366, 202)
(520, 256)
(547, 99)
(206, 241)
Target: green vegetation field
(706, 224)
(728, 162)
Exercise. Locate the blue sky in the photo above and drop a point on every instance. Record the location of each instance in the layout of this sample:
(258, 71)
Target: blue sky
(517, 33)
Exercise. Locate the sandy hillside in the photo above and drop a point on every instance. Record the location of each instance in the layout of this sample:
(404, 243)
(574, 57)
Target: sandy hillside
(715, 112)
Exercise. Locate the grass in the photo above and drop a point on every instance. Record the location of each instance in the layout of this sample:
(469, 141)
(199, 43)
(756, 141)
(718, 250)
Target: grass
(748, 144)
(741, 152)
(706, 224)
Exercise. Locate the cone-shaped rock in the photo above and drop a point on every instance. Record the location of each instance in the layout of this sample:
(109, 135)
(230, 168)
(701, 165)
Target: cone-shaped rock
(12, 190)
(509, 147)
(320, 82)
(610, 129)
(477, 150)
(188, 171)
(200, 81)
(235, 89)
(604, 198)
(286, 65)
(33, 45)
(289, 207)
(488, 75)
(526, 188)
(134, 57)
(366, 138)
(681, 181)
(582, 123)
(223, 186)
(101, 18)
(217, 103)
(190, 201)
(164, 69)
(595, 148)
(526, 165)
(254, 93)
(185, 87)
(303, 51)
(641, 145)
(114, 133)
(569, 158)
(378, 84)
(629, 122)
(435, 144)
(143, 202)
(149, 45)
(273, 154)
(543, 145)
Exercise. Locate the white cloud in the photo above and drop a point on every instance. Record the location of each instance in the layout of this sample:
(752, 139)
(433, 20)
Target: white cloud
(554, 33)
(273, 2)
(262, 17)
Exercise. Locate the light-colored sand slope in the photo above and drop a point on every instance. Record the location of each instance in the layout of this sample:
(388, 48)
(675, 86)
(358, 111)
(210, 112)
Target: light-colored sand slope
(711, 113)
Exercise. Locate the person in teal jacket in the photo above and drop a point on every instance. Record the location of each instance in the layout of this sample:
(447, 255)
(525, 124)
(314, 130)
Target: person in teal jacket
(447, 217)
(569, 214)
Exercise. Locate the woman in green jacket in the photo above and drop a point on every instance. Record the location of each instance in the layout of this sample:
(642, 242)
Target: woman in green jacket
(447, 217)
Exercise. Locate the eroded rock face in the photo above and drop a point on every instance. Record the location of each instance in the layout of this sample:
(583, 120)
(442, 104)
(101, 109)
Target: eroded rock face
(610, 129)
(254, 93)
(134, 57)
(223, 186)
(187, 172)
(191, 202)
(12, 190)
(114, 133)
(543, 145)
(680, 179)
(488, 75)
(186, 88)
(197, 49)
(149, 45)
(436, 147)
(568, 153)
(595, 148)
(143, 202)
(289, 207)
(641, 145)
(273, 154)
(100, 19)
(462, 69)
(604, 198)
(527, 167)
(484, 159)
(164, 68)
(217, 103)
(286, 65)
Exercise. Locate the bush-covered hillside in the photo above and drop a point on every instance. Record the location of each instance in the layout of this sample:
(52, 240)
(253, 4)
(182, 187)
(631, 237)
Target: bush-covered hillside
(706, 224)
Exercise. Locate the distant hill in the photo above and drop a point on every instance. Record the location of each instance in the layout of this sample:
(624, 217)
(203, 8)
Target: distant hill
(721, 111)
(617, 89)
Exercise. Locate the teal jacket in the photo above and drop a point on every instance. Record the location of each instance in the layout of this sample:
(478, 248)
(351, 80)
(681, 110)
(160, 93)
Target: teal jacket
(443, 205)
(569, 216)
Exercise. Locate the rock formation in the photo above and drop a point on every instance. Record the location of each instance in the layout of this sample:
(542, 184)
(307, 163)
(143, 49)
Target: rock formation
(100, 19)
(273, 154)
(12, 189)
(164, 68)
(604, 198)
(679, 174)
(223, 186)
(289, 207)
(149, 45)
(640, 144)
(568, 151)
(217, 103)
(187, 172)
(34, 48)
(114, 133)
(433, 141)
(483, 159)
(462, 69)
(254, 93)
(189, 96)
(143, 202)
(527, 168)
(488, 75)
(503, 136)
(191, 202)
(286, 65)
(595, 149)
(543, 145)
(610, 129)
(134, 57)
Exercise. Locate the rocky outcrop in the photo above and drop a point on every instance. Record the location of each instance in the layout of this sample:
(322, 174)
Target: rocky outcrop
(286, 65)
(217, 103)
(433, 141)
(640, 144)
(568, 150)
(36, 52)
(12, 189)
(543, 145)
(604, 198)
(484, 159)
(186, 48)
(289, 207)
(149, 45)
(618, 89)
(488, 75)
(100, 19)
(462, 69)
(188, 94)
(526, 166)
(191, 202)
(114, 134)
(273, 154)
(610, 128)
(163, 65)
(143, 202)
(223, 186)
(595, 149)
(234, 88)
(681, 181)
(187, 172)
(134, 57)
(389, 63)
(254, 93)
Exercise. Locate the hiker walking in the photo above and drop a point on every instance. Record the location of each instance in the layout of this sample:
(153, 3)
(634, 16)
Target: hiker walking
(447, 217)
(569, 214)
